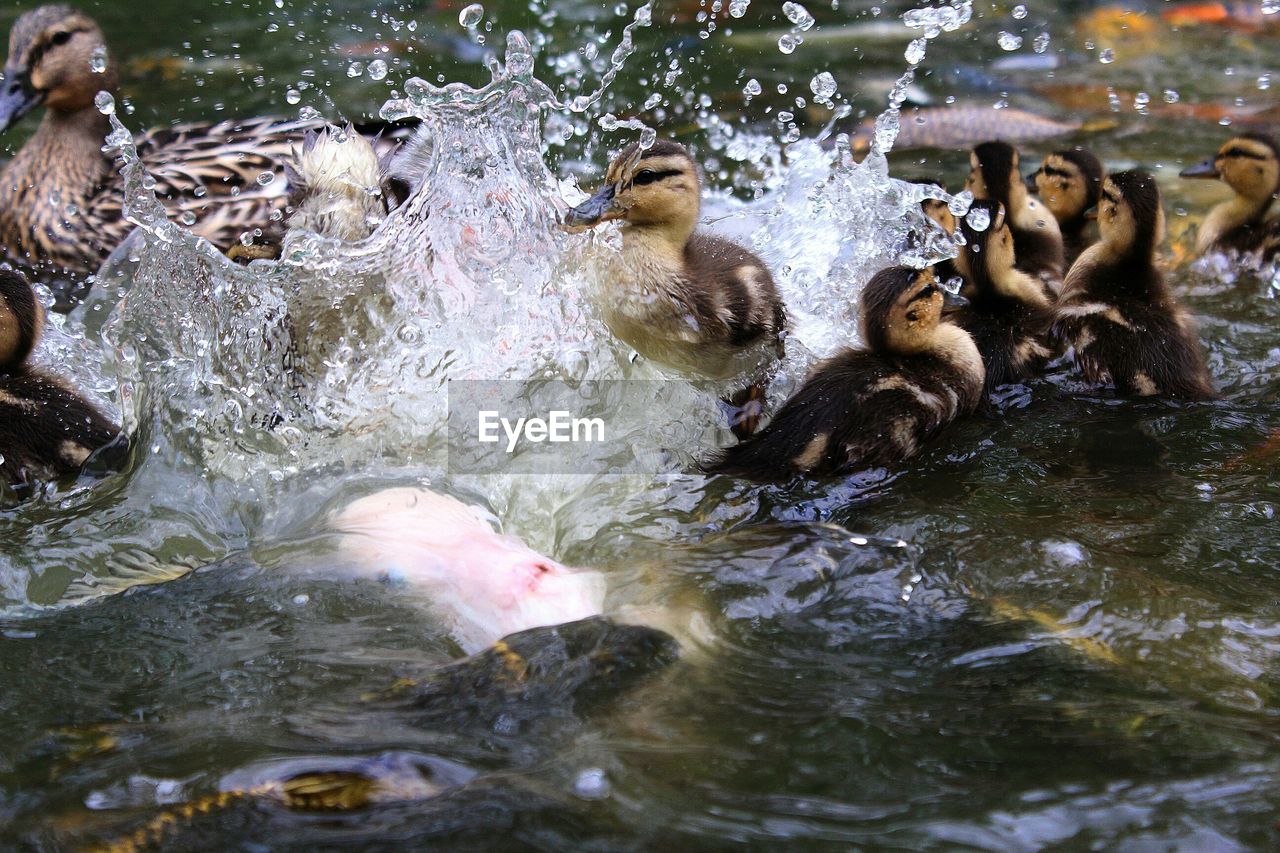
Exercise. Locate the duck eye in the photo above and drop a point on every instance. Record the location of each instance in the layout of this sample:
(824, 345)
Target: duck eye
(60, 38)
(646, 176)
(912, 316)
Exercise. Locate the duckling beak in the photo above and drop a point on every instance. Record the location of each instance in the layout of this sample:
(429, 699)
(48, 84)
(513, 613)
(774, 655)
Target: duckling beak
(1207, 169)
(1092, 213)
(952, 302)
(16, 97)
(599, 208)
(1030, 181)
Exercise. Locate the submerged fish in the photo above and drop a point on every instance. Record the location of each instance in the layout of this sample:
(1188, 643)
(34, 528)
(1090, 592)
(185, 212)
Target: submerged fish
(963, 126)
(482, 584)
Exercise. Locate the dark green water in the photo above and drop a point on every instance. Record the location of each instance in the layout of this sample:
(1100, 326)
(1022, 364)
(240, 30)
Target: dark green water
(1086, 658)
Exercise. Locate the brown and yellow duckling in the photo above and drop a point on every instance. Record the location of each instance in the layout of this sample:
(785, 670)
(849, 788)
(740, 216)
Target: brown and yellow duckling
(1250, 165)
(1116, 310)
(58, 59)
(1009, 312)
(47, 430)
(940, 213)
(1069, 183)
(994, 175)
(871, 407)
(678, 296)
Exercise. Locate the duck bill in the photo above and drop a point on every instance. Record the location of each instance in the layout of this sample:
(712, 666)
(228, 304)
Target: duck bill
(16, 98)
(1030, 181)
(1207, 169)
(601, 207)
(1091, 214)
(952, 302)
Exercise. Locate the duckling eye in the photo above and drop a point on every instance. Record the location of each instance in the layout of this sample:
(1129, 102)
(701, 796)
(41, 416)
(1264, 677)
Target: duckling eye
(646, 176)
(60, 38)
(912, 316)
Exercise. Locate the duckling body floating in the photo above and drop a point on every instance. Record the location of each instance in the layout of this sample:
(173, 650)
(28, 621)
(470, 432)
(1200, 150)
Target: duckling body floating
(1069, 183)
(684, 298)
(60, 197)
(872, 407)
(1009, 312)
(1250, 165)
(1116, 310)
(46, 429)
(1037, 241)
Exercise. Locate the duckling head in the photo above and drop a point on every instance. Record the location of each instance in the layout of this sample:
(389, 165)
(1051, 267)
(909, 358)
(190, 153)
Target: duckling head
(988, 253)
(335, 185)
(936, 209)
(1068, 182)
(993, 174)
(1248, 163)
(1130, 216)
(53, 53)
(20, 320)
(656, 189)
(902, 308)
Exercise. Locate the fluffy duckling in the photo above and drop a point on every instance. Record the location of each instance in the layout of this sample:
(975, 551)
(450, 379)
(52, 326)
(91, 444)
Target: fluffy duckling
(681, 297)
(1069, 183)
(1116, 310)
(941, 214)
(1009, 312)
(46, 429)
(209, 171)
(1037, 241)
(1250, 165)
(335, 190)
(864, 408)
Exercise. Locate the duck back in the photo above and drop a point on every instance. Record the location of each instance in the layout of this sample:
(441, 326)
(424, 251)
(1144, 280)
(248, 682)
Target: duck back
(46, 429)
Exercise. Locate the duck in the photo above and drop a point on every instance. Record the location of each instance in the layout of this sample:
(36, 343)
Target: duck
(1009, 312)
(1250, 165)
(47, 430)
(336, 190)
(877, 405)
(215, 173)
(1116, 311)
(1069, 183)
(677, 295)
(1037, 240)
(940, 213)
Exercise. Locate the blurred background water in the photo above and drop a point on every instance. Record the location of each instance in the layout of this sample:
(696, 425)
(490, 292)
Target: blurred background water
(1058, 626)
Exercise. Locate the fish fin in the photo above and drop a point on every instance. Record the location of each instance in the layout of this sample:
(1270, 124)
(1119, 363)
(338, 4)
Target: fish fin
(127, 570)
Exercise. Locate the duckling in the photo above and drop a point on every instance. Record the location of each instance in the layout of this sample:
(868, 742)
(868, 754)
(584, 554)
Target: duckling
(1009, 312)
(1037, 241)
(209, 171)
(1250, 165)
(1069, 183)
(335, 190)
(864, 408)
(681, 297)
(46, 429)
(941, 214)
(1116, 310)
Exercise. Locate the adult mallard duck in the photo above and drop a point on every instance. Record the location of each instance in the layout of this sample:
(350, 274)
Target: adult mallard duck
(47, 430)
(865, 408)
(1116, 309)
(61, 197)
(1250, 165)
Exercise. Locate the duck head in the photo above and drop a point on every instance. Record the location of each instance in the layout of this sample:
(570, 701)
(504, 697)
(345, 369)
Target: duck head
(1130, 216)
(21, 317)
(1249, 164)
(994, 174)
(1068, 182)
(53, 53)
(655, 188)
(902, 309)
(987, 253)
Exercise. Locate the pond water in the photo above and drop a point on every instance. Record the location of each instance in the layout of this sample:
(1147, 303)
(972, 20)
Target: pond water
(1058, 626)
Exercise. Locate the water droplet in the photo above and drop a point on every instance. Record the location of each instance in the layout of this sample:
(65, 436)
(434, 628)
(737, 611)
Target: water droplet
(1008, 41)
(308, 114)
(1270, 7)
(265, 178)
(788, 43)
(1140, 101)
(738, 8)
(105, 103)
(355, 69)
(652, 101)
(1106, 56)
(798, 15)
(752, 88)
(979, 219)
(592, 784)
(98, 61)
(1040, 43)
(377, 70)
(471, 16)
(1264, 81)
(823, 85)
(292, 96)
(188, 218)
(1171, 96)
(1019, 12)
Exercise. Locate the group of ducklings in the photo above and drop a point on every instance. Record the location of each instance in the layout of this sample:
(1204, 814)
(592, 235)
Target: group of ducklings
(1034, 282)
